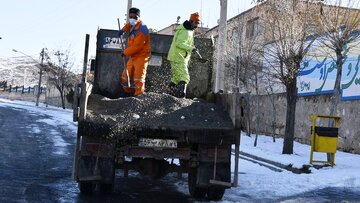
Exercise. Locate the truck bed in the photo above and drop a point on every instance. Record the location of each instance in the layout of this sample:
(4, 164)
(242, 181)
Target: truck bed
(156, 115)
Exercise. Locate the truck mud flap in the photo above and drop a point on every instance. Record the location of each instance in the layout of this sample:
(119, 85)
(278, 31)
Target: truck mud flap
(206, 173)
(98, 169)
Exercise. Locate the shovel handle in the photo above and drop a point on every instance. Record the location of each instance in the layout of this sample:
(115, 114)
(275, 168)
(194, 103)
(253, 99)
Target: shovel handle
(121, 39)
(119, 23)
(197, 52)
(124, 60)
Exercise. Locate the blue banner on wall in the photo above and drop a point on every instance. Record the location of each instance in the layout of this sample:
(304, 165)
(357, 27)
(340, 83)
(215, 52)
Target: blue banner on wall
(318, 73)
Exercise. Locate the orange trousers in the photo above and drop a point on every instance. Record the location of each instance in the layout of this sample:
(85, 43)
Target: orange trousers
(136, 67)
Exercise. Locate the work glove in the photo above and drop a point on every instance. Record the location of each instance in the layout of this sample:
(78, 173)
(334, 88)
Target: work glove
(120, 33)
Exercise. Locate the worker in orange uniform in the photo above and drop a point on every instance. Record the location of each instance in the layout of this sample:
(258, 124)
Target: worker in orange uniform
(138, 52)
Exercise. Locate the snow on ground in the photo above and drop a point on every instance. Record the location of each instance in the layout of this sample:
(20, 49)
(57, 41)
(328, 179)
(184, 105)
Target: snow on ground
(59, 143)
(262, 183)
(35, 129)
(255, 181)
(58, 115)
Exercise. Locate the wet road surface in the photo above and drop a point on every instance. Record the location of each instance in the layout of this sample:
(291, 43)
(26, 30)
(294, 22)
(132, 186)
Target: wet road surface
(36, 161)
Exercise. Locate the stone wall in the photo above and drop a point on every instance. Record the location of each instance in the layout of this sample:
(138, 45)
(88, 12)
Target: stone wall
(269, 114)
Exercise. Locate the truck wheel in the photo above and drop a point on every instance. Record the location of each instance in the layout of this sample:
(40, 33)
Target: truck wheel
(86, 187)
(106, 188)
(215, 193)
(194, 190)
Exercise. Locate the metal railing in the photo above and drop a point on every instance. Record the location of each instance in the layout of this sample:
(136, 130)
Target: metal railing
(22, 89)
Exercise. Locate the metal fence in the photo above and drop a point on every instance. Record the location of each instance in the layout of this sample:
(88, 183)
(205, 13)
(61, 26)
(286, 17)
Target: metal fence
(22, 89)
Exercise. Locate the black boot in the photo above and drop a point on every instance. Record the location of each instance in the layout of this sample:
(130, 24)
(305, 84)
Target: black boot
(129, 94)
(181, 90)
(126, 94)
(172, 88)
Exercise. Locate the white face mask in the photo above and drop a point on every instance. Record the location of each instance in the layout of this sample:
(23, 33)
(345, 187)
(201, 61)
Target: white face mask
(132, 21)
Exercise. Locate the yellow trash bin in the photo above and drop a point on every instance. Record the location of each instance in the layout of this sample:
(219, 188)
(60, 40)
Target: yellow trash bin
(324, 139)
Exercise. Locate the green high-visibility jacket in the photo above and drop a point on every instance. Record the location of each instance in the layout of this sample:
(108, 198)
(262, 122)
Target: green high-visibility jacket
(182, 45)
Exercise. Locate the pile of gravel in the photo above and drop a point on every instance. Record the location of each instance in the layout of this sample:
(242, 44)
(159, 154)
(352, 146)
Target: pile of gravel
(116, 118)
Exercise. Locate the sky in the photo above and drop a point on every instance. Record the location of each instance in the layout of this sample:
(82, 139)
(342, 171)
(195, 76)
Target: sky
(29, 26)
(255, 182)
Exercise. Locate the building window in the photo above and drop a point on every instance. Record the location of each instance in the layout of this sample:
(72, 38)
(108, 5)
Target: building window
(235, 38)
(253, 28)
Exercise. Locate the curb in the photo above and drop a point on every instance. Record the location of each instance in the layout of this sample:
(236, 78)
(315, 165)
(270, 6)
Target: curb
(303, 169)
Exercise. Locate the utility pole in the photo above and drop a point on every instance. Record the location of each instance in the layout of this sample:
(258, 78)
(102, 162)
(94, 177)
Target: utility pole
(25, 76)
(129, 5)
(84, 85)
(41, 69)
(221, 48)
(47, 92)
(86, 53)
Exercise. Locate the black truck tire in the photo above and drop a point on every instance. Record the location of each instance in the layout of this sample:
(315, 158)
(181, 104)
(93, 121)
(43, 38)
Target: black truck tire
(215, 193)
(106, 188)
(194, 190)
(86, 187)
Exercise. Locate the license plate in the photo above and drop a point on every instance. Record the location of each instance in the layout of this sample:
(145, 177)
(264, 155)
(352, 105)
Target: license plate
(164, 143)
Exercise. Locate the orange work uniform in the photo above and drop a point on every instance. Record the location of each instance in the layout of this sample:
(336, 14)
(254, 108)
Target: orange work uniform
(138, 52)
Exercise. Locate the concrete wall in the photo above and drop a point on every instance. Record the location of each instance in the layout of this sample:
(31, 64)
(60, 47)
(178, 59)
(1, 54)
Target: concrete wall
(22, 97)
(56, 101)
(349, 132)
(53, 97)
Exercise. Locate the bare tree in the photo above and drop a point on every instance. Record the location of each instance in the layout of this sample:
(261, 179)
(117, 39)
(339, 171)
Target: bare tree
(244, 53)
(270, 91)
(287, 24)
(337, 29)
(250, 65)
(60, 75)
(243, 58)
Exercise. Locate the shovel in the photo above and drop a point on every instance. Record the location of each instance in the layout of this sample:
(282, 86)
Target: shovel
(197, 52)
(124, 60)
(200, 58)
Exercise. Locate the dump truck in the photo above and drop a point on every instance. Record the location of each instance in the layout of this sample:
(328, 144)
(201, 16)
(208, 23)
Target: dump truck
(144, 133)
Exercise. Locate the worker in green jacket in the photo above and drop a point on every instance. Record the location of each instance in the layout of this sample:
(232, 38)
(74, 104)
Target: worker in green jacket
(179, 55)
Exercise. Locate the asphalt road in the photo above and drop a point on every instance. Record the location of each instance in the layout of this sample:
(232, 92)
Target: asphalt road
(34, 158)
(36, 162)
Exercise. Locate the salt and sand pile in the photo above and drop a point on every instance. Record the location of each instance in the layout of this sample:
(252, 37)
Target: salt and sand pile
(116, 118)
